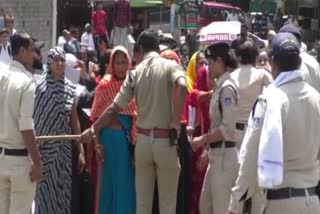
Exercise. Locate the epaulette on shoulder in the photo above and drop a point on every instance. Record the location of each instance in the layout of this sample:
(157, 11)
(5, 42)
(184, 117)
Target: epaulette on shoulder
(261, 99)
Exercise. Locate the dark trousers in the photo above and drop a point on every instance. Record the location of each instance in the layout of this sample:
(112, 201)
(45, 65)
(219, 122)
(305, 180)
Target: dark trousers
(82, 194)
(318, 190)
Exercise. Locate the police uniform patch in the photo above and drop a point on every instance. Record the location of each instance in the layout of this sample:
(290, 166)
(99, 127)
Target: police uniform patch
(227, 101)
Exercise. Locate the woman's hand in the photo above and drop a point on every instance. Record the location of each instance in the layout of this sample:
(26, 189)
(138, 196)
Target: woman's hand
(99, 153)
(86, 137)
(81, 163)
(197, 142)
(190, 130)
(205, 96)
(204, 161)
(83, 69)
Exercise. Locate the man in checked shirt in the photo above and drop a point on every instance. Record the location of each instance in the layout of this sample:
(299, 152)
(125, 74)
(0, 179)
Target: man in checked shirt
(121, 22)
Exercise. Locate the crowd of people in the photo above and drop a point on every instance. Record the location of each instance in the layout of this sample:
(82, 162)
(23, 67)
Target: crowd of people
(236, 132)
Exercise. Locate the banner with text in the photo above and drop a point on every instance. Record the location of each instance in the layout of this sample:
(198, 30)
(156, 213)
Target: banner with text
(219, 32)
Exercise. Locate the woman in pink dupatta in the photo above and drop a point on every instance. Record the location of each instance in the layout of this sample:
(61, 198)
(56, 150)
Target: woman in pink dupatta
(198, 124)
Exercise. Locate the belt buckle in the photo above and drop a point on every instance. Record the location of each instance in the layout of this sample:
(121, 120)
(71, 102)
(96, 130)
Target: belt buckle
(290, 192)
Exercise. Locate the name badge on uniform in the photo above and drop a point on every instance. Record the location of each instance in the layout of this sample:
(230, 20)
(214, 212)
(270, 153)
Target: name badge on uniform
(227, 101)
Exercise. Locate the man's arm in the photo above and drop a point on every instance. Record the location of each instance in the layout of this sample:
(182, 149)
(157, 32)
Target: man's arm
(120, 102)
(178, 79)
(26, 121)
(247, 181)
(107, 117)
(267, 78)
(182, 92)
(30, 142)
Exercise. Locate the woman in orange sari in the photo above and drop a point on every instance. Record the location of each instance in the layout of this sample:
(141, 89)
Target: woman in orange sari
(115, 173)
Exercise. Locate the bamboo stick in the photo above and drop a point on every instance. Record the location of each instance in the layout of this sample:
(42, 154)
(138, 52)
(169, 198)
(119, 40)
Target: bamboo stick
(58, 137)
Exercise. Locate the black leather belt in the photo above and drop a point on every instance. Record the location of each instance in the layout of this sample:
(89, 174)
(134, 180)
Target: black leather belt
(14, 152)
(241, 126)
(226, 144)
(286, 193)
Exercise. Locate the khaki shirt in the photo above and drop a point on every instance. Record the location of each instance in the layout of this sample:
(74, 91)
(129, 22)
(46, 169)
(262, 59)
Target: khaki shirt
(224, 118)
(250, 83)
(17, 91)
(301, 146)
(152, 84)
(311, 70)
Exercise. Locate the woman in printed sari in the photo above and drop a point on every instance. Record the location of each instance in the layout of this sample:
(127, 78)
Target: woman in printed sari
(197, 114)
(197, 60)
(55, 113)
(115, 192)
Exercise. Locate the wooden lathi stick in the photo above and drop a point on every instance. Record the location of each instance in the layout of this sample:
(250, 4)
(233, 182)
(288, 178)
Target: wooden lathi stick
(58, 137)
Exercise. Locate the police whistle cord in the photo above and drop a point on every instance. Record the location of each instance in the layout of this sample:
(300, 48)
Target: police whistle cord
(58, 137)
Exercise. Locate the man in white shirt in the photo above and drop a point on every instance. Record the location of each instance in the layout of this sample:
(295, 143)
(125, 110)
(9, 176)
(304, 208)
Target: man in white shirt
(131, 42)
(9, 22)
(62, 39)
(87, 37)
(5, 49)
(20, 161)
(233, 16)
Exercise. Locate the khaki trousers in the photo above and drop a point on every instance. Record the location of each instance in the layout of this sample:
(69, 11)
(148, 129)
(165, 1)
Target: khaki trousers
(156, 158)
(16, 189)
(257, 200)
(299, 205)
(220, 177)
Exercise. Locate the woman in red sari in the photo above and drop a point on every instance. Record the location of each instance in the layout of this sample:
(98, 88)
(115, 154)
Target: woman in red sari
(113, 153)
(197, 115)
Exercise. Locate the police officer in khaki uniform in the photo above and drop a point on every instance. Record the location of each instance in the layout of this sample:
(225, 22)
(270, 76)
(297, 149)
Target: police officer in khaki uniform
(152, 84)
(282, 157)
(310, 68)
(250, 83)
(223, 168)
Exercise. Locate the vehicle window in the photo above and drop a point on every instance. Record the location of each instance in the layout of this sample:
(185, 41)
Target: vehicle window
(213, 13)
(203, 12)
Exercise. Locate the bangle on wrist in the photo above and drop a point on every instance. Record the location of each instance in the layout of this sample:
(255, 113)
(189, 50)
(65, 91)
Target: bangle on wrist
(93, 133)
(206, 136)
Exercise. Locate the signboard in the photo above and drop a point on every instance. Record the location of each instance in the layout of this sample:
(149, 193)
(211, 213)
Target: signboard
(189, 11)
(309, 3)
(219, 32)
(190, 6)
(189, 22)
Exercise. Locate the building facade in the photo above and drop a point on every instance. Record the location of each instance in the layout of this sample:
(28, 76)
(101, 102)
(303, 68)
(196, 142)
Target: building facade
(32, 16)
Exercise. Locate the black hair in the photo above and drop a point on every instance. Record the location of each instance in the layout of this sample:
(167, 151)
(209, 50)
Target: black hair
(74, 31)
(92, 55)
(288, 61)
(148, 40)
(248, 51)
(20, 40)
(226, 54)
(136, 48)
(103, 39)
(103, 61)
